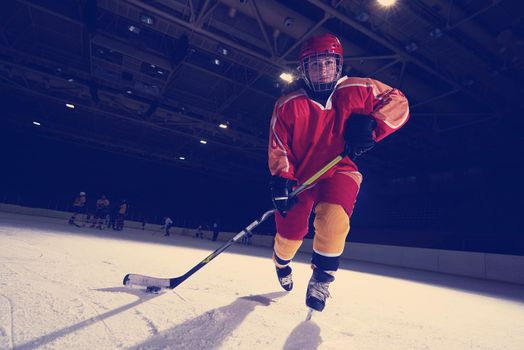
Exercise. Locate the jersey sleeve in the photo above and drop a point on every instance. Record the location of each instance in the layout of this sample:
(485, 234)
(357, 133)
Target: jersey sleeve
(280, 156)
(390, 109)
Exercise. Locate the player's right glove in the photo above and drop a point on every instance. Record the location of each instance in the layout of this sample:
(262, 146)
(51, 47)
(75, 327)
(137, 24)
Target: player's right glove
(281, 188)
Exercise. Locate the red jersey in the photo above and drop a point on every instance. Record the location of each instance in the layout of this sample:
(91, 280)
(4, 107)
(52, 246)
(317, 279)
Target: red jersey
(305, 135)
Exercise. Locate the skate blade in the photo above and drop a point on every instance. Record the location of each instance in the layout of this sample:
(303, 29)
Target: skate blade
(310, 314)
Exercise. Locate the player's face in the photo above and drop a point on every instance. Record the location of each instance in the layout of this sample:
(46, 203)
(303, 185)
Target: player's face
(322, 69)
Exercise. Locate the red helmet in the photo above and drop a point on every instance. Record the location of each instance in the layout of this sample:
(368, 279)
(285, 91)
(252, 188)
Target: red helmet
(320, 43)
(325, 51)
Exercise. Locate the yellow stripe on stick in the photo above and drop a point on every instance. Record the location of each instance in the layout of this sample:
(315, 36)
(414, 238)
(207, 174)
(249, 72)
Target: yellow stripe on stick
(323, 170)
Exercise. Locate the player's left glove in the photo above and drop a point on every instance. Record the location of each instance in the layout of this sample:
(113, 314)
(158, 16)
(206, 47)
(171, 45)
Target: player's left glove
(358, 134)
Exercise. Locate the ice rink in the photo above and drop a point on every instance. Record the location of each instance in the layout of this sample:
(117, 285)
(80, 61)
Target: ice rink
(61, 288)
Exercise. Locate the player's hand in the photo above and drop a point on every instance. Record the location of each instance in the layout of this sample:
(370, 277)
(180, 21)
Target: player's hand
(359, 134)
(281, 188)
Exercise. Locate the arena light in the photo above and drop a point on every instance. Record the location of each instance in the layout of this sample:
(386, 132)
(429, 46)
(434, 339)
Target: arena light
(362, 16)
(203, 142)
(411, 47)
(436, 33)
(223, 125)
(133, 29)
(70, 105)
(182, 158)
(287, 77)
(147, 19)
(36, 123)
(223, 50)
(387, 3)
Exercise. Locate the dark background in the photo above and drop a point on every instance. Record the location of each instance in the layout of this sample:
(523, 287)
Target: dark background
(146, 85)
(474, 208)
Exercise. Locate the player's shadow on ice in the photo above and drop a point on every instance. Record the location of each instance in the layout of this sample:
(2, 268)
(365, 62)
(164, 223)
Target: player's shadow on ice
(45, 339)
(305, 336)
(209, 330)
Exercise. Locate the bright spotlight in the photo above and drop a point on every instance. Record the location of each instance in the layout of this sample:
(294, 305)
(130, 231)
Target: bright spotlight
(387, 3)
(222, 125)
(70, 105)
(182, 158)
(288, 78)
(36, 123)
(203, 142)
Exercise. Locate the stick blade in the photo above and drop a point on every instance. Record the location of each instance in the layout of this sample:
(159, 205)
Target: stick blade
(145, 281)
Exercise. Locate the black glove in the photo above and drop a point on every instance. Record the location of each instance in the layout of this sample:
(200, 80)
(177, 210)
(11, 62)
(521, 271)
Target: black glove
(358, 134)
(281, 188)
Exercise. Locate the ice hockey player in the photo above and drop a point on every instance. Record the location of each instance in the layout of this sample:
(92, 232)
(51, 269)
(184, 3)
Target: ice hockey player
(102, 209)
(77, 207)
(199, 233)
(216, 230)
(309, 127)
(122, 210)
(168, 223)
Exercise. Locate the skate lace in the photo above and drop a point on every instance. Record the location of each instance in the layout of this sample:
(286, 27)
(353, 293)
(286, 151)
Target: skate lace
(319, 290)
(286, 280)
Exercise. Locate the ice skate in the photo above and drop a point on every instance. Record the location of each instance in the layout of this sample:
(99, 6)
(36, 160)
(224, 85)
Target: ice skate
(317, 289)
(285, 278)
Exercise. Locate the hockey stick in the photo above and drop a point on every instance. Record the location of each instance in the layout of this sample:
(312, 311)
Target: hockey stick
(154, 284)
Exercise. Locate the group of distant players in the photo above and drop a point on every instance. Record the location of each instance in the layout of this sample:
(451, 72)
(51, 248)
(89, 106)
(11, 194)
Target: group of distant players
(103, 215)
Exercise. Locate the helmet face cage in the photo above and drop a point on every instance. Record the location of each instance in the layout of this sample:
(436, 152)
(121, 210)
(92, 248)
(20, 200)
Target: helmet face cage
(321, 71)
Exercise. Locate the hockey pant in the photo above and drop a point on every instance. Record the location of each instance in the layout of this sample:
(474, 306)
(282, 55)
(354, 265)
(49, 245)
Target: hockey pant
(335, 198)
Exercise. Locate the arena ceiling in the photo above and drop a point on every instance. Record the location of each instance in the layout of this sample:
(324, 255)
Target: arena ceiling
(152, 79)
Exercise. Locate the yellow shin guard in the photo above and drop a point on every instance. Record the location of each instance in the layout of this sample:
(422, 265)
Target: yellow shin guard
(284, 250)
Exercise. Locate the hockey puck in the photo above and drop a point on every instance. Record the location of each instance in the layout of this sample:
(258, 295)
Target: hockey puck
(153, 289)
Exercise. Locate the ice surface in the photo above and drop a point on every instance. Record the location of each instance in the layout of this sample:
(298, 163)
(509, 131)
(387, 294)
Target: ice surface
(60, 288)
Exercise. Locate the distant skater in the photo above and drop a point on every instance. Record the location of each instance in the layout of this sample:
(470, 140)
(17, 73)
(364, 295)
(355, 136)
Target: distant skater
(102, 209)
(122, 210)
(77, 207)
(216, 231)
(168, 223)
